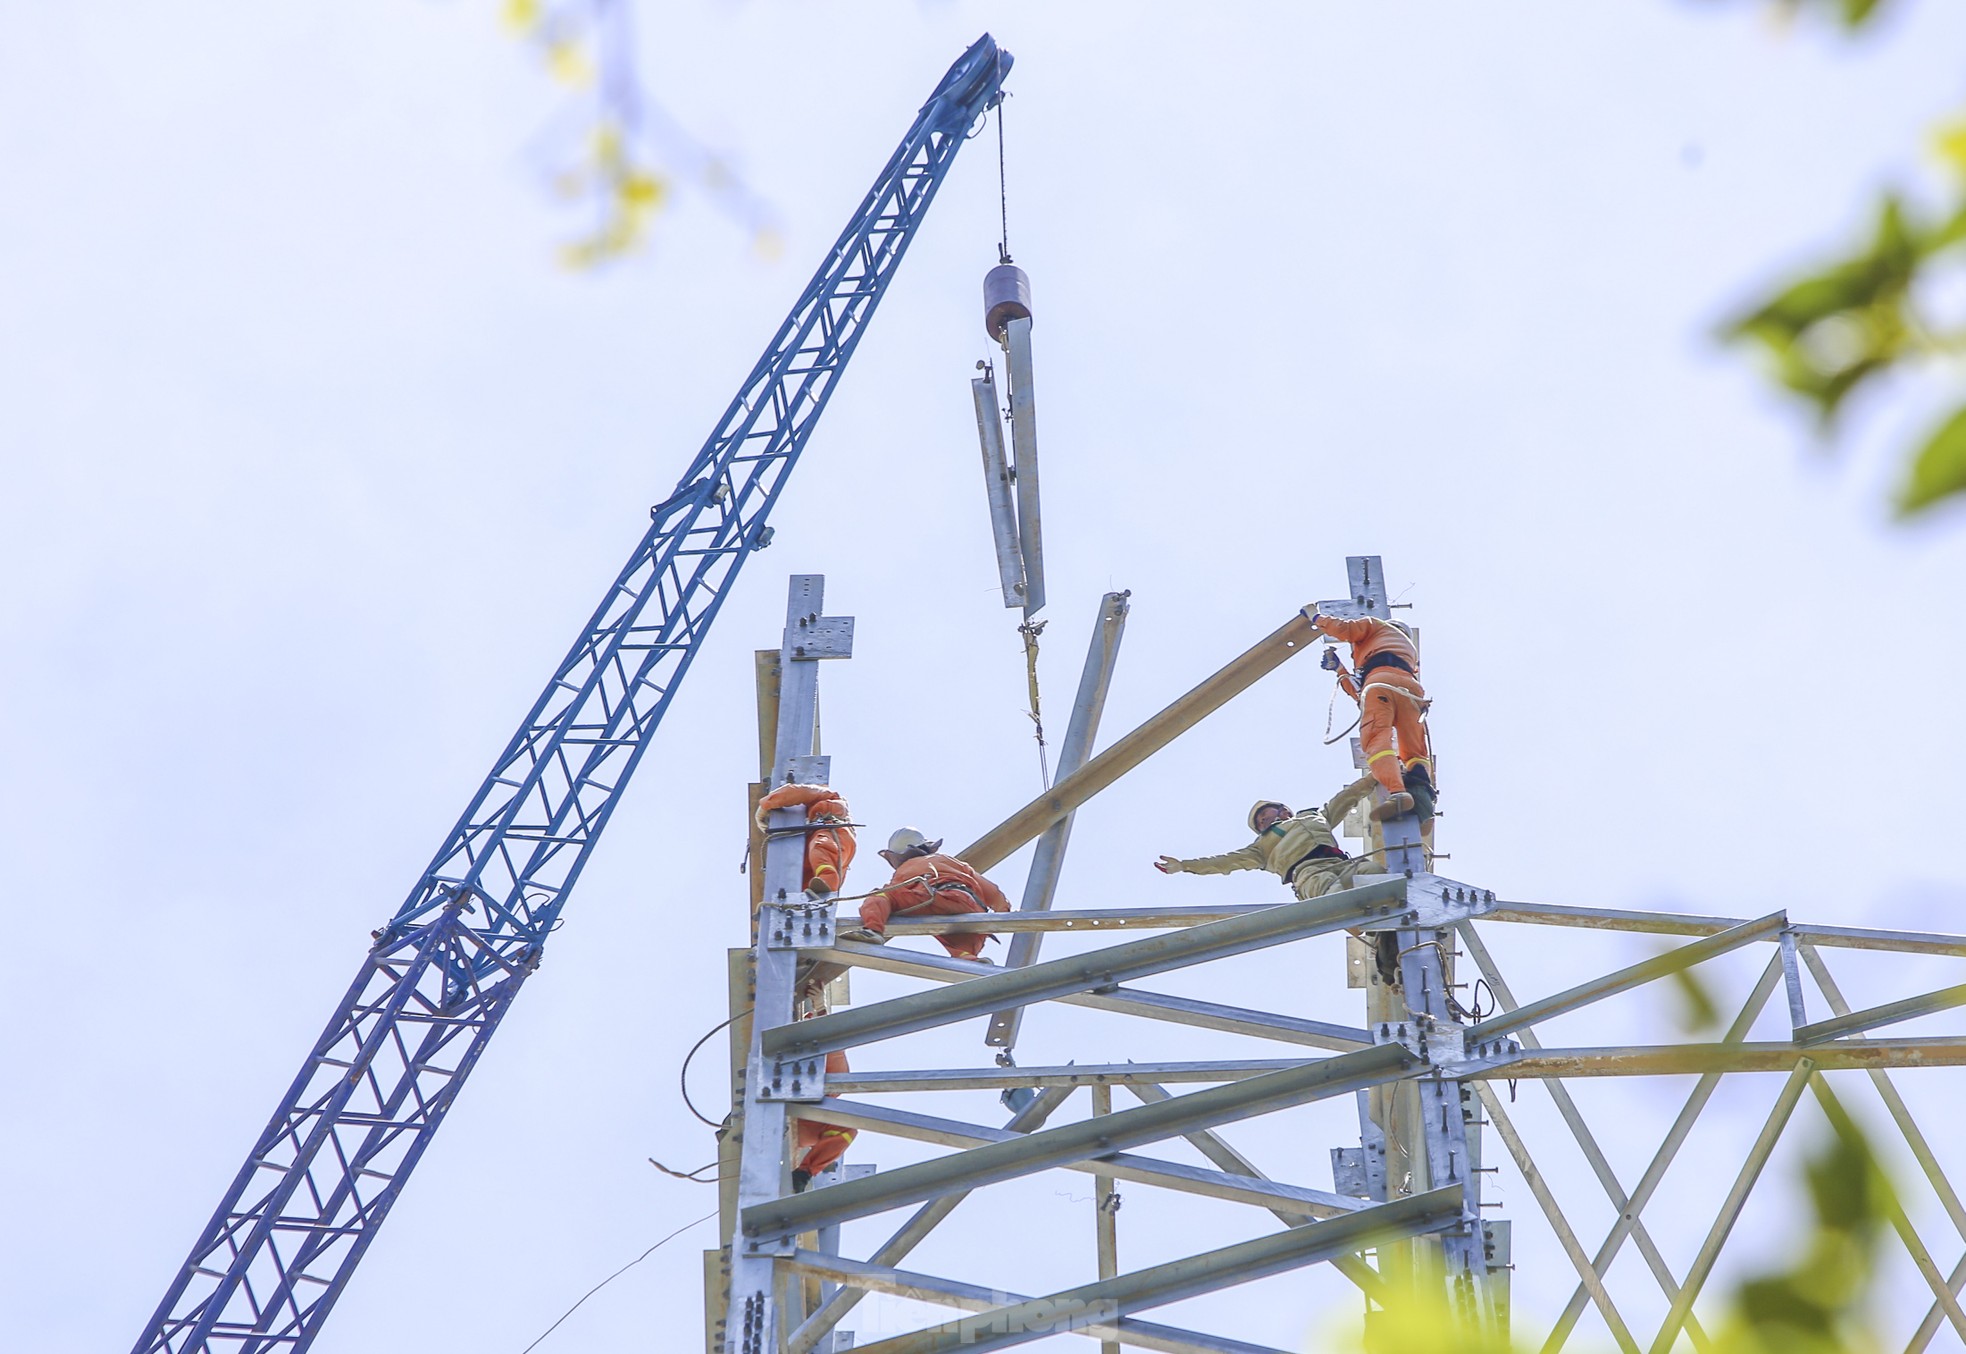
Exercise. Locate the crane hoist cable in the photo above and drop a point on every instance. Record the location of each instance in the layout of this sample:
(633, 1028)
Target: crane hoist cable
(1003, 190)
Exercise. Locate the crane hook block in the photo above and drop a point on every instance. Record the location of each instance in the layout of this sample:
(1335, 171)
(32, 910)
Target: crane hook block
(1006, 297)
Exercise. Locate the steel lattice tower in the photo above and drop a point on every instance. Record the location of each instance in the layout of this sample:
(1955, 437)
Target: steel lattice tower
(1405, 1214)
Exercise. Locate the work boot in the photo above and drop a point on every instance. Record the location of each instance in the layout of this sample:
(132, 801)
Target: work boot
(1396, 806)
(865, 935)
(800, 1179)
(1420, 785)
(1385, 955)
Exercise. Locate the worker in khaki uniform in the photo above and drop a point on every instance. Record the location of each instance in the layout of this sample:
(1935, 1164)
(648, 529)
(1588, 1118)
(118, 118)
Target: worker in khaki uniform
(927, 882)
(829, 845)
(1392, 710)
(1298, 848)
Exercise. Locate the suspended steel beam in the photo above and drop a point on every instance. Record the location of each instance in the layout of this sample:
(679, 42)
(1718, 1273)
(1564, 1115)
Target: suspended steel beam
(1104, 968)
(1080, 732)
(1024, 453)
(1286, 642)
(1179, 1280)
(1626, 978)
(996, 484)
(1050, 1147)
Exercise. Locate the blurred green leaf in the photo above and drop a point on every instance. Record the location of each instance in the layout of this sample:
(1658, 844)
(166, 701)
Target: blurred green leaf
(1819, 1303)
(1856, 13)
(1938, 469)
(1697, 1011)
(1852, 14)
(1828, 332)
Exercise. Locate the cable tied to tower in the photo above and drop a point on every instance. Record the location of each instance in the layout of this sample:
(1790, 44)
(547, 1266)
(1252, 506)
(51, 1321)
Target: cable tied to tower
(1030, 630)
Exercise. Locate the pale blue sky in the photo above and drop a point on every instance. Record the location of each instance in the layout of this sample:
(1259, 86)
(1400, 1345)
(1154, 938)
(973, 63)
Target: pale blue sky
(316, 460)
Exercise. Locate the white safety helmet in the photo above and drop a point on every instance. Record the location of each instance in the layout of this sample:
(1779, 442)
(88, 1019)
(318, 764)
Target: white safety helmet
(1262, 804)
(907, 840)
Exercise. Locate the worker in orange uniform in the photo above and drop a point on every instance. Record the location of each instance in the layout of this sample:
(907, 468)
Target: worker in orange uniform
(829, 834)
(820, 1145)
(927, 882)
(1392, 710)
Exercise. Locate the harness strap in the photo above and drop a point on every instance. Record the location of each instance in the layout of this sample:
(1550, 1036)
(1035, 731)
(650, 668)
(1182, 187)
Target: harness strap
(1325, 852)
(1387, 660)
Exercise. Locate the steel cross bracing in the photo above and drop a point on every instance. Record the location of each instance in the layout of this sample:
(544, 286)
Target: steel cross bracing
(1404, 1214)
(289, 1232)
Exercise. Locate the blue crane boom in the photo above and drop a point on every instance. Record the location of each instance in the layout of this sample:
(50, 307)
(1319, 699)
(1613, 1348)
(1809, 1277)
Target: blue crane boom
(283, 1243)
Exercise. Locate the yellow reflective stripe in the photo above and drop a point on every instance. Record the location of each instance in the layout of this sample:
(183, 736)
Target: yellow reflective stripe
(1389, 752)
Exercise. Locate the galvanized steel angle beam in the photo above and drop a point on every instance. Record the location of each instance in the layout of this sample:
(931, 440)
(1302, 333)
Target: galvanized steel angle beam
(1450, 1158)
(1211, 1145)
(770, 1082)
(796, 925)
(1891, 1013)
(1178, 1280)
(1587, 1143)
(876, 1278)
(1921, 1150)
(814, 1329)
(1432, 901)
(1693, 924)
(1050, 1147)
(1067, 1074)
(1048, 860)
(1094, 971)
(1297, 1201)
(1069, 792)
(1125, 1001)
(1681, 1311)
(903, 1283)
(1893, 1208)
(1686, 956)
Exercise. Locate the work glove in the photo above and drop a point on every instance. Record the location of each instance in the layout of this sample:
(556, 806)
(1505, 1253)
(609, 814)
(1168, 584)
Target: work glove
(1330, 661)
(1168, 865)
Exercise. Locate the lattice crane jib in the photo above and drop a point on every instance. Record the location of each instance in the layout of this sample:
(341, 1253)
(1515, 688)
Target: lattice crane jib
(288, 1234)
